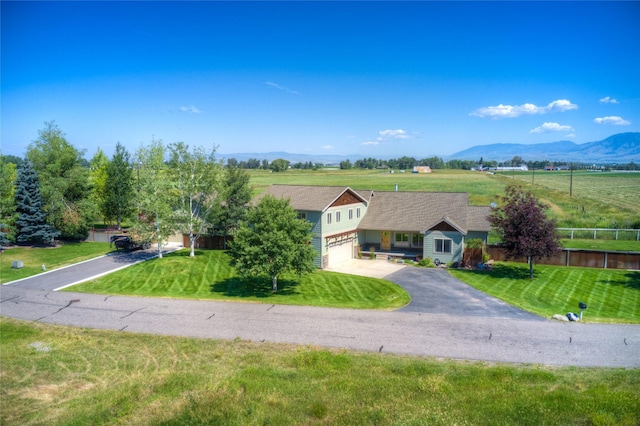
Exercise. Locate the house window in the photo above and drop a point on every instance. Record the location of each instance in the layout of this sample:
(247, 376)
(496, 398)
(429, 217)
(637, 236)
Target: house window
(328, 218)
(350, 214)
(358, 213)
(337, 217)
(442, 245)
(302, 215)
(402, 237)
(417, 239)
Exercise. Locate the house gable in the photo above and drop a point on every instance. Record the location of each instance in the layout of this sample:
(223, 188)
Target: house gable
(443, 226)
(346, 198)
(446, 224)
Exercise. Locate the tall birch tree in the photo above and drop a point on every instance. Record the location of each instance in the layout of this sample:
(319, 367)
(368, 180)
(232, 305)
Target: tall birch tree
(154, 194)
(195, 176)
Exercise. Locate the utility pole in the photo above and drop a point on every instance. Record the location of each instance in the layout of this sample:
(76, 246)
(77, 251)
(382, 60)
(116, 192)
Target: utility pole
(570, 180)
(533, 175)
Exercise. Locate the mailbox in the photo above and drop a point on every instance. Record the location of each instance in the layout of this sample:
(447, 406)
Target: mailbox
(582, 306)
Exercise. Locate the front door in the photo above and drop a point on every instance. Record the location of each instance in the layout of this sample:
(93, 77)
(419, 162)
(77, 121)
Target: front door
(385, 240)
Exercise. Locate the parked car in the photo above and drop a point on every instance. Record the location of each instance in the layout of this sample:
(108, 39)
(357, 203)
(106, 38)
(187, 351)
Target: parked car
(126, 242)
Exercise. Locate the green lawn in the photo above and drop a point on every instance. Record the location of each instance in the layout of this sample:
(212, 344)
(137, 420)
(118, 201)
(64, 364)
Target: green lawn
(59, 375)
(611, 295)
(52, 258)
(209, 276)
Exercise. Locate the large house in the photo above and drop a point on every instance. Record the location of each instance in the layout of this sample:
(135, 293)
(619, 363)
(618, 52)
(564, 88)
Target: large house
(346, 221)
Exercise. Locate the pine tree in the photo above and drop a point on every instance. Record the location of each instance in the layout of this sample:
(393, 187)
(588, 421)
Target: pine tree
(31, 224)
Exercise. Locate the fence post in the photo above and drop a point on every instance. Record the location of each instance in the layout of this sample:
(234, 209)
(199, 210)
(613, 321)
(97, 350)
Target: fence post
(594, 233)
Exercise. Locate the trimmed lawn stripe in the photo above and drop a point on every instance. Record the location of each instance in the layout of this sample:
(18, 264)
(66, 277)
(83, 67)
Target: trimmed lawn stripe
(610, 294)
(209, 276)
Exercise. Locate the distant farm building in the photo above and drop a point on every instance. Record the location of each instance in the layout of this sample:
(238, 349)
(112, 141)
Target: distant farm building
(522, 167)
(421, 169)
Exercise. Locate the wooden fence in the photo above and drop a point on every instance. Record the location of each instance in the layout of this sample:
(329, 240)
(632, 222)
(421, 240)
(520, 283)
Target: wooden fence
(209, 242)
(581, 257)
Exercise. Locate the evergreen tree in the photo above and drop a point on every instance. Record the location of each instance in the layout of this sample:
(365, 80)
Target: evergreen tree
(119, 186)
(236, 194)
(31, 224)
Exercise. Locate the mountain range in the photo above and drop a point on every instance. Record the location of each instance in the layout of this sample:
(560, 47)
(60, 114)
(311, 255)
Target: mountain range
(619, 148)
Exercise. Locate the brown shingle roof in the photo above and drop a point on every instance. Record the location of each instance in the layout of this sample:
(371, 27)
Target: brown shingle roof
(307, 197)
(477, 218)
(415, 211)
(391, 211)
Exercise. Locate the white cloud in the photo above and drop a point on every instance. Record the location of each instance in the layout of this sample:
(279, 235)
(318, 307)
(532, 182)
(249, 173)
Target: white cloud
(552, 127)
(613, 120)
(608, 100)
(512, 111)
(277, 86)
(190, 109)
(393, 134)
(327, 147)
(371, 143)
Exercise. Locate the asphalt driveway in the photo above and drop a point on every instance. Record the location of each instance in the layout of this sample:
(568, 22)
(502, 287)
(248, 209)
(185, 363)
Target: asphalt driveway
(434, 291)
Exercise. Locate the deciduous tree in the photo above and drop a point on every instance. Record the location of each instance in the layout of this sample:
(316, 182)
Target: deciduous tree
(98, 181)
(272, 241)
(524, 228)
(64, 183)
(153, 196)
(8, 175)
(195, 176)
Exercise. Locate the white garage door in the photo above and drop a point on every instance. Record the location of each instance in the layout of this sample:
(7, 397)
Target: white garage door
(340, 253)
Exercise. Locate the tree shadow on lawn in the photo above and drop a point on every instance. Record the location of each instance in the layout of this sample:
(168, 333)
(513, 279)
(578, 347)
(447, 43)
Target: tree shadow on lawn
(254, 287)
(632, 281)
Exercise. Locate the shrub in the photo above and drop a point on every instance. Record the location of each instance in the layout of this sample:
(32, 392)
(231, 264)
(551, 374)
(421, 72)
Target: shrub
(426, 262)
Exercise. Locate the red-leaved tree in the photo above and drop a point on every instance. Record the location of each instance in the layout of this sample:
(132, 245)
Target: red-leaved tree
(524, 228)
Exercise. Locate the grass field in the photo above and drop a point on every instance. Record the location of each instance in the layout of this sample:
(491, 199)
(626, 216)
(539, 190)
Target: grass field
(598, 200)
(611, 295)
(58, 375)
(604, 200)
(209, 276)
(611, 245)
(52, 258)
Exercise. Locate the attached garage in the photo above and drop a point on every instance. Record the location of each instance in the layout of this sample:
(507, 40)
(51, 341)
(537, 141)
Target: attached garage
(340, 252)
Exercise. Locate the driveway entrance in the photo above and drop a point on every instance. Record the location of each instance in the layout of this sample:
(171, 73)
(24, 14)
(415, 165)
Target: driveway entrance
(434, 291)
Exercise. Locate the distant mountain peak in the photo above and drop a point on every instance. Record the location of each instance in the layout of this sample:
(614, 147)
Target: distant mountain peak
(618, 148)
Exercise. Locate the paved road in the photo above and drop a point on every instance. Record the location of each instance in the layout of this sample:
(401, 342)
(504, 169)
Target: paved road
(412, 330)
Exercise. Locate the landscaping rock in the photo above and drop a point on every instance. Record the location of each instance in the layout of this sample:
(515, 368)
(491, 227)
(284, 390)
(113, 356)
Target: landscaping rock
(560, 317)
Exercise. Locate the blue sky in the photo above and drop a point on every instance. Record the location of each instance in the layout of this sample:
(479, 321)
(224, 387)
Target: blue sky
(380, 79)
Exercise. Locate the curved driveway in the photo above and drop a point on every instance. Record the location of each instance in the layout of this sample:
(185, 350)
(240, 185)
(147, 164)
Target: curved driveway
(445, 319)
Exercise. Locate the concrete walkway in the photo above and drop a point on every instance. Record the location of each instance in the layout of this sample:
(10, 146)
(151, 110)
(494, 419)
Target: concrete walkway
(475, 337)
